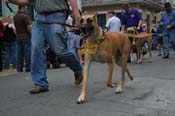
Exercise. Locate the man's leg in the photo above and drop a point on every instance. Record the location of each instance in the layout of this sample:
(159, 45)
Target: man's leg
(14, 55)
(57, 38)
(165, 46)
(20, 54)
(38, 59)
(172, 41)
(7, 55)
(27, 54)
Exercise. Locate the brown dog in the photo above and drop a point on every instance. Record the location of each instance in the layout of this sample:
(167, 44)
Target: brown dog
(138, 41)
(109, 47)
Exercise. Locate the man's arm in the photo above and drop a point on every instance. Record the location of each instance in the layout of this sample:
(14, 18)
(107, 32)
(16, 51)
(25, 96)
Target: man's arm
(29, 28)
(123, 28)
(18, 2)
(76, 12)
(139, 25)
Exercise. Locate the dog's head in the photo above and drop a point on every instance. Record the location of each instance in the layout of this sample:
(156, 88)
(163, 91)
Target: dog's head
(88, 24)
(132, 30)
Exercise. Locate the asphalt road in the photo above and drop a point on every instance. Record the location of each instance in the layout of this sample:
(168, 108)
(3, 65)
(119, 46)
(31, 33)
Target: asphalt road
(152, 93)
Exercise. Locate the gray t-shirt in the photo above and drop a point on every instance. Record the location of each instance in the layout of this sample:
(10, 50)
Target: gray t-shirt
(50, 5)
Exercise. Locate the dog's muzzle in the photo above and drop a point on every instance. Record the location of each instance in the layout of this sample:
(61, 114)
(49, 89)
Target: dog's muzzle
(86, 29)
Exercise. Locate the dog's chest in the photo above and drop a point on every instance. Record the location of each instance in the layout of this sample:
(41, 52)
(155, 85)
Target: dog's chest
(100, 56)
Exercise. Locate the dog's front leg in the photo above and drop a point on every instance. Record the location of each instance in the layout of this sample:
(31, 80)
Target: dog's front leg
(119, 88)
(86, 66)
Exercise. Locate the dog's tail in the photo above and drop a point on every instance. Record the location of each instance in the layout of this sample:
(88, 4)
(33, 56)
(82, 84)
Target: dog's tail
(139, 36)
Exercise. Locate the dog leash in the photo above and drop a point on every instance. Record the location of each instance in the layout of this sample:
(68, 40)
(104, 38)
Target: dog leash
(56, 22)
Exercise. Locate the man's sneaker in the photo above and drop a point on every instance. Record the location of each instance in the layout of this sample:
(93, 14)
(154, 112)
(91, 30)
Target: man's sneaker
(36, 90)
(165, 57)
(78, 77)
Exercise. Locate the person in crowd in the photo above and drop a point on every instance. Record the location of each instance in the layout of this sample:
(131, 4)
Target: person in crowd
(153, 27)
(9, 43)
(74, 38)
(113, 24)
(1, 44)
(47, 29)
(168, 22)
(144, 27)
(70, 21)
(131, 18)
(23, 35)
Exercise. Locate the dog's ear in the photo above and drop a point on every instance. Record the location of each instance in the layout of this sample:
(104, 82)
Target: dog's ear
(95, 18)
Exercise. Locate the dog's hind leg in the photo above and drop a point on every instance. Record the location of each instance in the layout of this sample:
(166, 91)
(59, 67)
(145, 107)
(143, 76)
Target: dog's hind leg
(81, 98)
(119, 88)
(110, 71)
(139, 53)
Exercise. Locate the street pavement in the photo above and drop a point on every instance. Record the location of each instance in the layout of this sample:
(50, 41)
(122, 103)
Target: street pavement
(151, 93)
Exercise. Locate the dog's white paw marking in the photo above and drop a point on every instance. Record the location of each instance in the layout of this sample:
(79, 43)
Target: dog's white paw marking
(139, 61)
(118, 90)
(81, 100)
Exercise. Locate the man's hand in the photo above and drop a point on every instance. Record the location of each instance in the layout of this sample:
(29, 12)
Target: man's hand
(168, 27)
(124, 31)
(138, 28)
(77, 19)
(76, 12)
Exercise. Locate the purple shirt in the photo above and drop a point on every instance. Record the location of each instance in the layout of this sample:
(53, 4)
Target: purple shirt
(131, 19)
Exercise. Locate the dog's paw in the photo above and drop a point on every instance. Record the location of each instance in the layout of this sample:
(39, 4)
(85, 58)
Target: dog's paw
(111, 85)
(118, 90)
(131, 78)
(81, 100)
(138, 62)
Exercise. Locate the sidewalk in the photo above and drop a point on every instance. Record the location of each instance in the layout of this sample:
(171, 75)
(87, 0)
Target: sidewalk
(8, 72)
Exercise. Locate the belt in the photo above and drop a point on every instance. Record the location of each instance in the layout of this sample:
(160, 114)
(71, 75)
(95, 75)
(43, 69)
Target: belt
(52, 12)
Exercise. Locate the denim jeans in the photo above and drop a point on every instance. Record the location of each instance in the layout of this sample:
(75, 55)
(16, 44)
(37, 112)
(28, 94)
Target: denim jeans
(167, 40)
(56, 37)
(23, 54)
(10, 54)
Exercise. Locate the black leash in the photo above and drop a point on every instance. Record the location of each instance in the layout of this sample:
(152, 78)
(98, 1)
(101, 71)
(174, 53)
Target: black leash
(56, 22)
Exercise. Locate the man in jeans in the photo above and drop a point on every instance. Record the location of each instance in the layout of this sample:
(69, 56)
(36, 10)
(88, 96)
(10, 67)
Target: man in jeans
(23, 37)
(168, 23)
(53, 11)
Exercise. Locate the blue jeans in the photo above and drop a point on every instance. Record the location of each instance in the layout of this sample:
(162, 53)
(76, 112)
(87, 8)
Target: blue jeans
(167, 40)
(23, 54)
(10, 54)
(56, 37)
